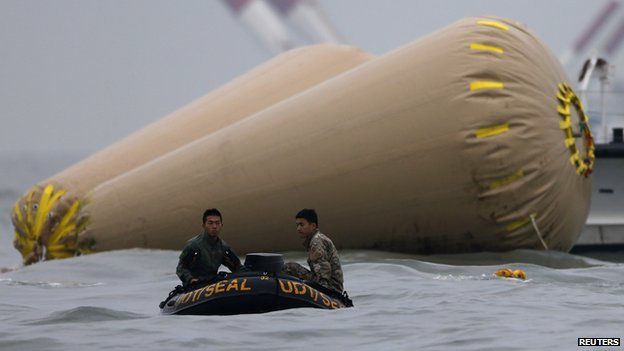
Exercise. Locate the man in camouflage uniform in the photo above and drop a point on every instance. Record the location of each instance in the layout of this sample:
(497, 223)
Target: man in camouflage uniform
(323, 258)
(202, 255)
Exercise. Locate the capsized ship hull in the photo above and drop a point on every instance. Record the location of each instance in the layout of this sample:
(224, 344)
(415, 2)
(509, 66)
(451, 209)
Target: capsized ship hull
(48, 217)
(467, 140)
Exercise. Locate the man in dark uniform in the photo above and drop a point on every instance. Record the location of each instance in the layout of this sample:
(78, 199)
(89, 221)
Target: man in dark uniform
(202, 255)
(323, 258)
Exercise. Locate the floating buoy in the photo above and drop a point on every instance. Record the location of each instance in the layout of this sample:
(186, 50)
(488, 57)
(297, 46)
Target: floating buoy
(518, 273)
(508, 273)
(505, 273)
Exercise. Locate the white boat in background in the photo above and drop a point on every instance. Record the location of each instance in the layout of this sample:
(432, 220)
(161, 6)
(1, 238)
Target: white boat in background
(604, 229)
(603, 35)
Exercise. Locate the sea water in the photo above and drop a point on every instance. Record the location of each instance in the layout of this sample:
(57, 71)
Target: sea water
(109, 301)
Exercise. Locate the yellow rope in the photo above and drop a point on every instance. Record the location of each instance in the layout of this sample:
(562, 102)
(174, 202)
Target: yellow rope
(567, 99)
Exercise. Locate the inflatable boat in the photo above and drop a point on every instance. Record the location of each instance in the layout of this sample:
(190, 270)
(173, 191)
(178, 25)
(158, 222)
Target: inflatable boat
(258, 288)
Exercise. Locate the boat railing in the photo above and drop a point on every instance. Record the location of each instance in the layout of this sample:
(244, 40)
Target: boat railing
(606, 114)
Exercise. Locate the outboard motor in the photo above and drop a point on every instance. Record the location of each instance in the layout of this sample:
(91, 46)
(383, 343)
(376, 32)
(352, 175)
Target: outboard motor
(264, 262)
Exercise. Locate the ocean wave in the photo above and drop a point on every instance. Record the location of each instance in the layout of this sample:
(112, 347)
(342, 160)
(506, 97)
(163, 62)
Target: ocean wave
(43, 284)
(85, 314)
(33, 343)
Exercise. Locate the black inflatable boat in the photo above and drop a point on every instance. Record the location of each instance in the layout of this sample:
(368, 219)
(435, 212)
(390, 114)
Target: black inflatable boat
(260, 287)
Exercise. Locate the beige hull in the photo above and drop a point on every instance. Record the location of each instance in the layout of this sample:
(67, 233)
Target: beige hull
(278, 79)
(458, 142)
(45, 216)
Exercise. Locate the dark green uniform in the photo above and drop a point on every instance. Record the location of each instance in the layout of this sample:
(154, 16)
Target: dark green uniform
(202, 256)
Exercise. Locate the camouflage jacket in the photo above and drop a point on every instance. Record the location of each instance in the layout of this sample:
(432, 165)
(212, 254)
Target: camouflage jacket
(324, 262)
(202, 256)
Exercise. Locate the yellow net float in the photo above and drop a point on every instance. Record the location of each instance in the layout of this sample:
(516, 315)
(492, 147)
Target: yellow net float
(519, 274)
(508, 273)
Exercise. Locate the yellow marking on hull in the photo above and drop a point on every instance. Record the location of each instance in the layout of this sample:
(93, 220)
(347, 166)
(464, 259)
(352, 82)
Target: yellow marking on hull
(521, 223)
(507, 180)
(484, 47)
(493, 24)
(492, 131)
(478, 85)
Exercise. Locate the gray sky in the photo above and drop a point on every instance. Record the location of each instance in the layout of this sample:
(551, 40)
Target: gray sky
(77, 75)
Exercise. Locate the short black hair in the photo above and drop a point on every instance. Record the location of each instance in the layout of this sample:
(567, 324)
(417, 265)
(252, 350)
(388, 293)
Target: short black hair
(211, 212)
(309, 215)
